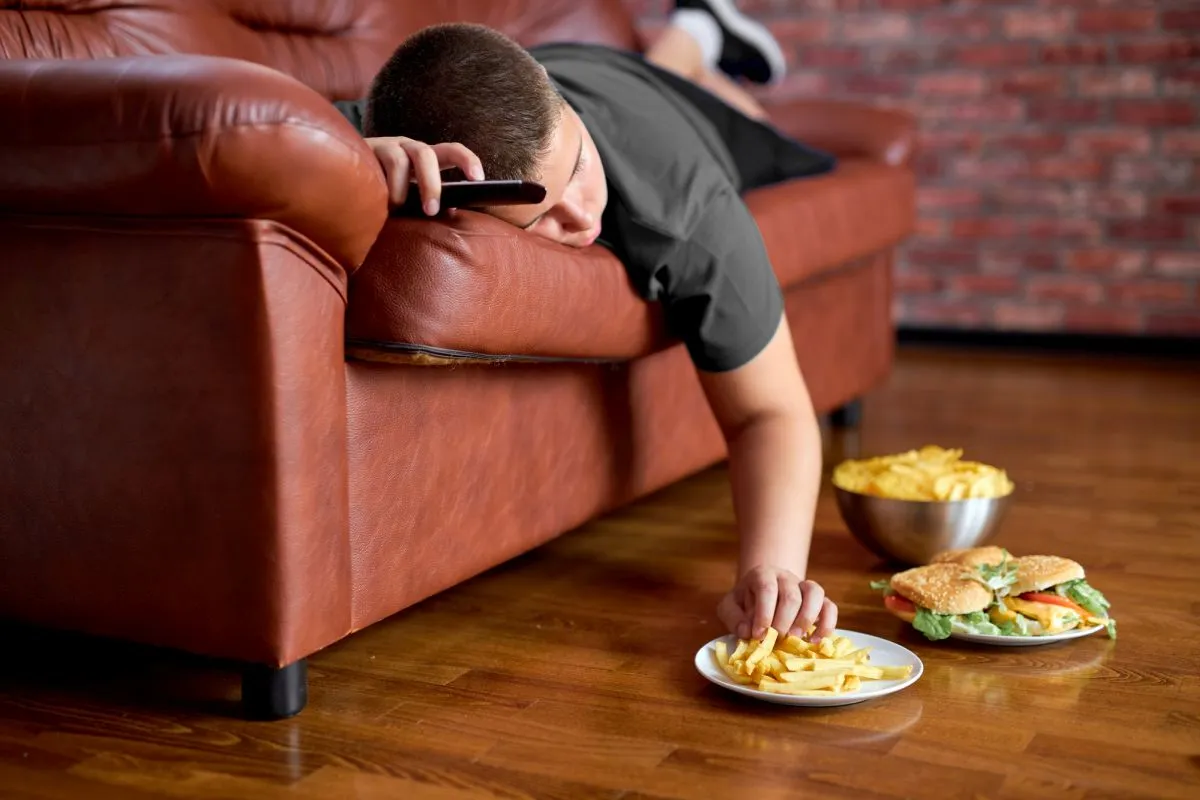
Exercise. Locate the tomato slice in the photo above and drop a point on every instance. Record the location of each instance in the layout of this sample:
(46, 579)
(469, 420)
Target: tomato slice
(1056, 600)
(902, 604)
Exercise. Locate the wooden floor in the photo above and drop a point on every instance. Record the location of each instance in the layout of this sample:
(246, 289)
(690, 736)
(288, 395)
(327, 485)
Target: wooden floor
(568, 672)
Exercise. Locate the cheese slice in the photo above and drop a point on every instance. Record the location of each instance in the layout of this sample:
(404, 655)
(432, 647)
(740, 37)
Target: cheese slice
(1000, 613)
(1053, 618)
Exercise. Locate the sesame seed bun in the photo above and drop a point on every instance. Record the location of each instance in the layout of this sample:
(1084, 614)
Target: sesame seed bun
(972, 557)
(942, 588)
(1035, 573)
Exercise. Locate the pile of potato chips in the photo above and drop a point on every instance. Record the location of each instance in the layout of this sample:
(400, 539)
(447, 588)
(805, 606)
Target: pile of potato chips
(931, 473)
(796, 667)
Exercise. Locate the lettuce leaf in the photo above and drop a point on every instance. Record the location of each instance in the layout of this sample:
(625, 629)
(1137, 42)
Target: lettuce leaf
(1021, 626)
(884, 586)
(1089, 597)
(999, 578)
(976, 622)
(934, 626)
(1080, 592)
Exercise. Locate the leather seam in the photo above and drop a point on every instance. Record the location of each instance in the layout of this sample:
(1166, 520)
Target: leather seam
(467, 355)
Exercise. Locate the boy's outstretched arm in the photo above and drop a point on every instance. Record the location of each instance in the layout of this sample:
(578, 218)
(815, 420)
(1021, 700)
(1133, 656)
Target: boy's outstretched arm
(774, 444)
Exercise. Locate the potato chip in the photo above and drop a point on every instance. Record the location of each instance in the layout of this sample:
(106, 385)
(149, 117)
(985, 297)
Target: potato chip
(929, 474)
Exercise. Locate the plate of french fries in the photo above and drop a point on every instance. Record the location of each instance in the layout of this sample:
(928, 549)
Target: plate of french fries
(844, 668)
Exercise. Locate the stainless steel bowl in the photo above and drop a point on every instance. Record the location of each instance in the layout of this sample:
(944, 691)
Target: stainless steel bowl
(912, 531)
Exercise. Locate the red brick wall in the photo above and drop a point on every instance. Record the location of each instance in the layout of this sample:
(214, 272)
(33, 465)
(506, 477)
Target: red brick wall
(1060, 174)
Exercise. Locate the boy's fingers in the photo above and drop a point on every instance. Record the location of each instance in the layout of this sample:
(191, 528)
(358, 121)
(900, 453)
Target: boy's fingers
(788, 605)
(731, 614)
(827, 621)
(395, 168)
(453, 154)
(429, 176)
(765, 591)
(741, 596)
(810, 609)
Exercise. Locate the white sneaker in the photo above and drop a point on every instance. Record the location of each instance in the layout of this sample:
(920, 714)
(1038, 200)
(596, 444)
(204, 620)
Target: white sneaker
(749, 50)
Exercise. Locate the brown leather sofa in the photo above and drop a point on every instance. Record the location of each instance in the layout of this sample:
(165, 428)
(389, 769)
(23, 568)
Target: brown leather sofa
(244, 413)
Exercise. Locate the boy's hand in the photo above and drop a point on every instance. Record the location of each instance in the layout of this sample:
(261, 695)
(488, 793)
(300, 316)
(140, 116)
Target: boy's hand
(771, 596)
(403, 159)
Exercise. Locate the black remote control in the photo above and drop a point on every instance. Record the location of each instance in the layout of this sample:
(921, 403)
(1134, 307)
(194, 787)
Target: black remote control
(473, 194)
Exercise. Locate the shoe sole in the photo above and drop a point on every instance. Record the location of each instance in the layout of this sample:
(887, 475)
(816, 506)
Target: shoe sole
(754, 33)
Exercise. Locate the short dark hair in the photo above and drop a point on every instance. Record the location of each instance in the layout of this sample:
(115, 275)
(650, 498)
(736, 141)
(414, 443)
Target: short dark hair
(469, 84)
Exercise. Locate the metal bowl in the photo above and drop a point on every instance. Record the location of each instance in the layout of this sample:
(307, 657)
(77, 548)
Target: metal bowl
(913, 531)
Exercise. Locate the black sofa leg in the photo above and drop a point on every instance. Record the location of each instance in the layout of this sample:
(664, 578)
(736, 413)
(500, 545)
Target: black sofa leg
(270, 693)
(847, 416)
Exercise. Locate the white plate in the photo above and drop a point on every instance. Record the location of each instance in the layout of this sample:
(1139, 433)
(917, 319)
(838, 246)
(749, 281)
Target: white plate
(883, 653)
(1025, 641)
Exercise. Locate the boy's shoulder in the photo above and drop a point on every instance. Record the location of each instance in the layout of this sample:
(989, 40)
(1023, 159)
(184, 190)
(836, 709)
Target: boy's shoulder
(664, 160)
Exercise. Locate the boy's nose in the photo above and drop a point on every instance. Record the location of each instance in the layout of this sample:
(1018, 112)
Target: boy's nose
(576, 219)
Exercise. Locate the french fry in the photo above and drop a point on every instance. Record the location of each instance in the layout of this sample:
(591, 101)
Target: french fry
(874, 673)
(771, 664)
(895, 673)
(764, 648)
(820, 679)
(795, 644)
(841, 647)
(861, 656)
(790, 665)
(736, 676)
(802, 664)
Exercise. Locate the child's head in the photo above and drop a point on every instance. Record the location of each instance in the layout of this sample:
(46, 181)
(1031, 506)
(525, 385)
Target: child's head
(472, 85)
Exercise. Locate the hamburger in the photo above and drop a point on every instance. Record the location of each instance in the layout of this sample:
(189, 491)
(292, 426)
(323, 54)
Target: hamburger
(938, 599)
(984, 591)
(1050, 594)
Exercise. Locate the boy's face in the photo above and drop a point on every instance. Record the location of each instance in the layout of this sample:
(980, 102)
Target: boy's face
(576, 192)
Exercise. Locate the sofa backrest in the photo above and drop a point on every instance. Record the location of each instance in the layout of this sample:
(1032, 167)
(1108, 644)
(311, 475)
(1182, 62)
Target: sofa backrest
(334, 46)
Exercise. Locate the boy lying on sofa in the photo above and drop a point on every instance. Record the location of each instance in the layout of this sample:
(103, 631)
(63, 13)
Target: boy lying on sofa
(646, 155)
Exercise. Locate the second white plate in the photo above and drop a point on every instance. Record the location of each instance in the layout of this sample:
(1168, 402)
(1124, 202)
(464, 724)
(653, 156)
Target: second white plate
(1025, 641)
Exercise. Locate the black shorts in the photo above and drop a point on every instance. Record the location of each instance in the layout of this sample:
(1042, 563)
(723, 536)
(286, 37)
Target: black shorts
(763, 155)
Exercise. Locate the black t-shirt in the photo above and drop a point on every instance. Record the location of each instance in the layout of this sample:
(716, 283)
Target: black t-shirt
(675, 217)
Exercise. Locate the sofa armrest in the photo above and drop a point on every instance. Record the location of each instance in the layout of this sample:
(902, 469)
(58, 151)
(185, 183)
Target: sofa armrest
(849, 129)
(474, 287)
(186, 136)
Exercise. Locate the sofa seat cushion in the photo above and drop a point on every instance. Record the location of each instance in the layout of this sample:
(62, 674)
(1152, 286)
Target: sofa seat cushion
(475, 288)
